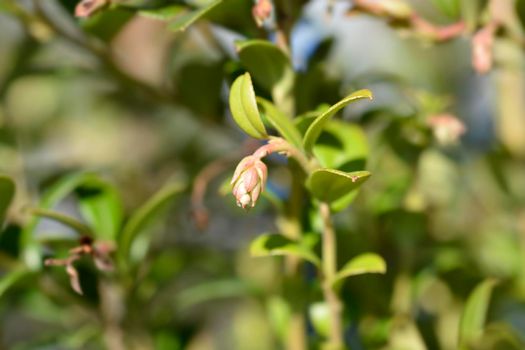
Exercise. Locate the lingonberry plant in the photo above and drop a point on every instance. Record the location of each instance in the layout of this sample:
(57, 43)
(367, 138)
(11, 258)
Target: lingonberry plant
(326, 186)
(380, 140)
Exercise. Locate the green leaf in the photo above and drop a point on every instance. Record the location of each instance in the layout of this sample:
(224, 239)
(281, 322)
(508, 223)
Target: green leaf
(315, 129)
(165, 13)
(11, 278)
(181, 23)
(264, 60)
(320, 317)
(7, 193)
(145, 216)
(270, 67)
(101, 207)
(63, 219)
(281, 123)
(243, 106)
(58, 191)
(276, 244)
(359, 265)
(473, 317)
(342, 146)
(329, 185)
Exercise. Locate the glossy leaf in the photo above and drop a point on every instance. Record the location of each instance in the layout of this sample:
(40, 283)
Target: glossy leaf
(243, 106)
(182, 22)
(270, 67)
(359, 265)
(281, 122)
(315, 129)
(101, 207)
(165, 13)
(329, 185)
(473, 317)
(279, 245)
(145, 216)
(264, 60)
(7, 193)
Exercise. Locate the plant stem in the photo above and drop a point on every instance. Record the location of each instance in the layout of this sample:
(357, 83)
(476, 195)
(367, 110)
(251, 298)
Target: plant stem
(335, 307)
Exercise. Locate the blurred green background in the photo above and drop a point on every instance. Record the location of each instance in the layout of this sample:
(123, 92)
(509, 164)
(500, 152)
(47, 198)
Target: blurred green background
(131, 107)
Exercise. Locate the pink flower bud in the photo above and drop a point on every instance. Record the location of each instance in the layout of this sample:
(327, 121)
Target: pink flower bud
(248, 181)
(262, 11)
(482, 43)
(447, 128)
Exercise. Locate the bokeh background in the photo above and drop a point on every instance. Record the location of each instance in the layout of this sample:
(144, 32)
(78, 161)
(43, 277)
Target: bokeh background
(124, 97)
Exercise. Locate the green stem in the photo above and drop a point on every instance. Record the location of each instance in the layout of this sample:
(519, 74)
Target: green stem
(335, 306)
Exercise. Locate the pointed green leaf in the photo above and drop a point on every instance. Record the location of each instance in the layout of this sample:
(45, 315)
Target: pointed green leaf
(243, 106)
(165, 13)
(473, 318)
(68, 221)
(145, 216)
(315, 129)
(181, 23)
(101, 207)
(276, 244)
(7, 193)
(58, 191)
(451, 8)
(281, 123)
(359, 265)
(329, 185)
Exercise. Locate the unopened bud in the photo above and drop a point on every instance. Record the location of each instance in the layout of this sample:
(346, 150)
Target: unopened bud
(447, 128)
(248, 181)
(482, 43)
(262, 11)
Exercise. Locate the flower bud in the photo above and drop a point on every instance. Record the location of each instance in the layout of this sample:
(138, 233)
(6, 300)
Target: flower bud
(482, 43)
(447, 128)
(248, 181)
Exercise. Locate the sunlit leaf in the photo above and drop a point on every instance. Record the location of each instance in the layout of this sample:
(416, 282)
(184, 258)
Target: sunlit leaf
(276, 244)
(182, 22)
(359, 265)
(281, 122)
(7, 192)
(243, 106)
(329, 185)
(144, 216)
(474, 315)
(315, 129)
